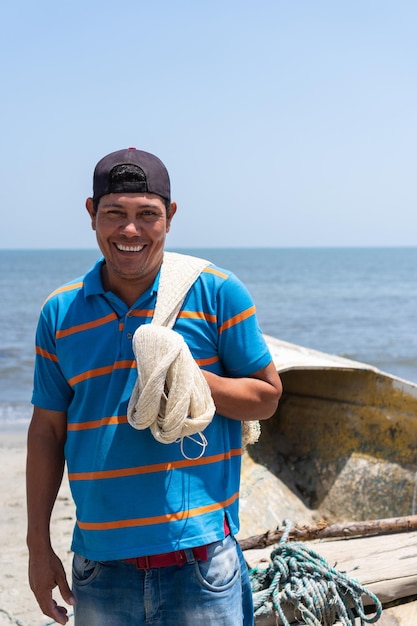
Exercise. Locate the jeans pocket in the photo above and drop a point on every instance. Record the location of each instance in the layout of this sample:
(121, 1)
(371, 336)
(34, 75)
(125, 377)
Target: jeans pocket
(221, 571)
(84, 571)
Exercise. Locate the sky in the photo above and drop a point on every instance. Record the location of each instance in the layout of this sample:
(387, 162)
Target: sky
(283, 123)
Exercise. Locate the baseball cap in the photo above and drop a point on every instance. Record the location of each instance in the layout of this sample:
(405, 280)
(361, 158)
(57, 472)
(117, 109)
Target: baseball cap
(131, 171)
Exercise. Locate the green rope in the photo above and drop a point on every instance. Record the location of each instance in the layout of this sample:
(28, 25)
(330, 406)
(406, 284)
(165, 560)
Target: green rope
(299, 577)
(54, 622)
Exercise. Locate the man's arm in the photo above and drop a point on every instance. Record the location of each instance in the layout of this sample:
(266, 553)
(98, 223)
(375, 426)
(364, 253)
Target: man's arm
(45, 466)
(253, 397)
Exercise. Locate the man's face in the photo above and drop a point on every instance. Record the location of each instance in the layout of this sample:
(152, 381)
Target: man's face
(131, 229)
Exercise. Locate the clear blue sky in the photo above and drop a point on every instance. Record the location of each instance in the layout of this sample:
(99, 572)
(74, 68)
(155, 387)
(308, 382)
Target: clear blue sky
(282, 122)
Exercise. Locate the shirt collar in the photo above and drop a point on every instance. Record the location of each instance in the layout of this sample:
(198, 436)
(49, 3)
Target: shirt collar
(93, 284)
(92, 280)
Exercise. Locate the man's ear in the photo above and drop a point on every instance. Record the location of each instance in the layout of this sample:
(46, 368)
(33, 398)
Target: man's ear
(89, 205)
(170, 214)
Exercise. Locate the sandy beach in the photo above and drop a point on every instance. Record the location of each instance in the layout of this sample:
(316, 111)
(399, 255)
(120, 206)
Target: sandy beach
(17, 603)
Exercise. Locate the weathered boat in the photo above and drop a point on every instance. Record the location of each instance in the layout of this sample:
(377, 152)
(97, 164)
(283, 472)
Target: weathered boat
(342, 448)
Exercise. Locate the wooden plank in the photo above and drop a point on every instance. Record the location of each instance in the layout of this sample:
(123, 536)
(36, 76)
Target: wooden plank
(386, 565)
(402, 615)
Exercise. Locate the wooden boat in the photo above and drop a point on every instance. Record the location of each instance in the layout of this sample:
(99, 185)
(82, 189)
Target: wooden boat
(342, 448)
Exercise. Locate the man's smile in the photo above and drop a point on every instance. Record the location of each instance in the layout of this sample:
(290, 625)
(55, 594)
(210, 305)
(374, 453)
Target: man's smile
(124, 248)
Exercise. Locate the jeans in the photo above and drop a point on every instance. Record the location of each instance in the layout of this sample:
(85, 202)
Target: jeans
(215, 592)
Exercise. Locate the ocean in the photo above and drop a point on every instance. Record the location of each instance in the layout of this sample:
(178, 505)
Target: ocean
(360, 303)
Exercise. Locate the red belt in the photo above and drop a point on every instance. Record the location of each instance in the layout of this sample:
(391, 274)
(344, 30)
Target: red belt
(169, 558)
(172, 558)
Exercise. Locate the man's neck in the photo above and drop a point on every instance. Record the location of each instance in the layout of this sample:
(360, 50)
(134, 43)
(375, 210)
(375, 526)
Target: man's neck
(128, 290)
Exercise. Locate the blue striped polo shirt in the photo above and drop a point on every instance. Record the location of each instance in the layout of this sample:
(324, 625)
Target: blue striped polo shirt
(135, 496)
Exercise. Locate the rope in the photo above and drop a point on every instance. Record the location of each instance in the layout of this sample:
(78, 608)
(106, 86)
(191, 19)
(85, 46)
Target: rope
(298, 577)
(178, 274)
(69, 615)
(171, 395)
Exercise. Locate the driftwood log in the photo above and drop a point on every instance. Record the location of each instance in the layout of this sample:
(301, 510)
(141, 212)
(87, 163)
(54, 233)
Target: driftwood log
(324, 530)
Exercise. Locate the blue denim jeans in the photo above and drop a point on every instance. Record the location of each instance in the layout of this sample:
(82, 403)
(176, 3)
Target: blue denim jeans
(215, 592)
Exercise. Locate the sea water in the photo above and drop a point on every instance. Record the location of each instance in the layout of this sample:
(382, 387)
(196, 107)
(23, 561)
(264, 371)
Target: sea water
(360, 303)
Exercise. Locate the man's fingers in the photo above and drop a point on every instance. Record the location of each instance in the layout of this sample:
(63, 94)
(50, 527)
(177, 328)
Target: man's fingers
(65, 591)
(45, 574)
(50, 608)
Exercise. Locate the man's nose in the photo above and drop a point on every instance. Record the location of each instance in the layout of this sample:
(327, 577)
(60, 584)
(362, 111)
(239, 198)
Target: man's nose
(131, 228)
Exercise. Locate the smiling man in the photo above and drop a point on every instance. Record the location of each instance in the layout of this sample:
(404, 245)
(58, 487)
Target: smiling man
(130, 220)
(154, 536)
(131, 230)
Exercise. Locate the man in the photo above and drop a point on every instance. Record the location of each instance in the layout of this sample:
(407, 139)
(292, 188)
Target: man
(154, 536)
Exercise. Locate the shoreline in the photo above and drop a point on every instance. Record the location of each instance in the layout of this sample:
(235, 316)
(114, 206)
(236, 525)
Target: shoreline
(18, 606)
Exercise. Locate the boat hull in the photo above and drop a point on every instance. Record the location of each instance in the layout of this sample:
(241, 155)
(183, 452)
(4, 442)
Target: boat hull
(342, 445)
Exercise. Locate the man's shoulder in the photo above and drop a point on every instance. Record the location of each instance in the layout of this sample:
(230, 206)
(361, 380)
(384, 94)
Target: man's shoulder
(67, 292)
(217, 272)
(195, 271)
(221, 286)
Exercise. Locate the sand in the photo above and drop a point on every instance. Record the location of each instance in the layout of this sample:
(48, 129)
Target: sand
(17, 603)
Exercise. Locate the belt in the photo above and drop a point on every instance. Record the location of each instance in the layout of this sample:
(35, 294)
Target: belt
(179, 557)
(168, 558)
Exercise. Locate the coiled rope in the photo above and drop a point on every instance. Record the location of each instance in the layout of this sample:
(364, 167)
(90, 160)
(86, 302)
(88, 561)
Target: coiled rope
(165, 364)
(301, 579)
(171, 395)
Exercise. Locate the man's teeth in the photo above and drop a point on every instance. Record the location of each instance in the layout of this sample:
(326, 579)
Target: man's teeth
(129, 248)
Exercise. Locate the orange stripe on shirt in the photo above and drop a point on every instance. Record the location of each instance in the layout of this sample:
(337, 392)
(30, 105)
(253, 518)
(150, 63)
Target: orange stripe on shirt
(87, 326)
(46, 355)
(114, 420)
(209, 361)
(211, 270)
(101, 371)
(63, 289)
(141, 313)
(158, 519)
(238, 318)
(197, 315)
(157, 467)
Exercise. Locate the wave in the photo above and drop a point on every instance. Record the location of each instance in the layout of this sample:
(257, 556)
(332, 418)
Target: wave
(15, 415)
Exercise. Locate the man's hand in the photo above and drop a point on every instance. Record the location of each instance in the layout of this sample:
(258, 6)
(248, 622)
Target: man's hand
(45, 466)
(45, 573)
